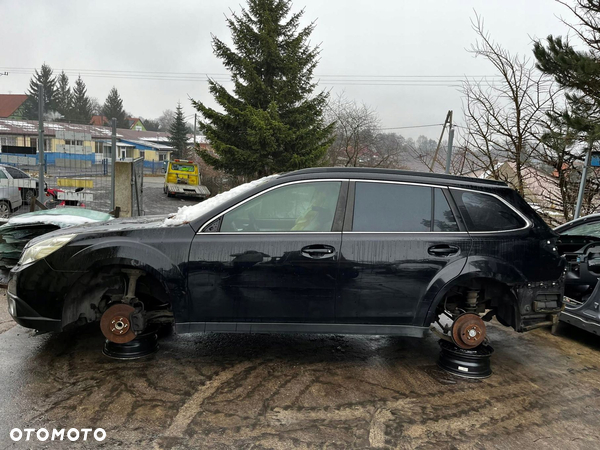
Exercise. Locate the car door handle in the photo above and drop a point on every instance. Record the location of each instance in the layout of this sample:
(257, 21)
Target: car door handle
(443, 250)
(318, 251)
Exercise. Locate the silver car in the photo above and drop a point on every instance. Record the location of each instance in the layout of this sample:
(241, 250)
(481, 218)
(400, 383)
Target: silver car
(10, 200)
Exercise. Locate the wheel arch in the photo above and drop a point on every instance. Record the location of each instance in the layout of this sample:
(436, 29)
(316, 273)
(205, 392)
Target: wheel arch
(506, 299)
(103, 273)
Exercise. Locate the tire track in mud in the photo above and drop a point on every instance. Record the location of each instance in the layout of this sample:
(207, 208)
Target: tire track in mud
(279, 391)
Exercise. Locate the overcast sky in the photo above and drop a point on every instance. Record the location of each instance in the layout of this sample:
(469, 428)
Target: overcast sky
(363, 43)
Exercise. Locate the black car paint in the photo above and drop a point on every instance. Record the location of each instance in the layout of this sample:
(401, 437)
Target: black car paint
(231, 279)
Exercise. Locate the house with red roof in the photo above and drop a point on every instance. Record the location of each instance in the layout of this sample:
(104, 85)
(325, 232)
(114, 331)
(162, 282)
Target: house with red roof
(12, 106)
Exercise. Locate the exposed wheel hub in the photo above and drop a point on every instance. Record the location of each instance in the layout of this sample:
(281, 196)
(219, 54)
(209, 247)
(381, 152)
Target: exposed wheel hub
(116, 323)
(468, 331)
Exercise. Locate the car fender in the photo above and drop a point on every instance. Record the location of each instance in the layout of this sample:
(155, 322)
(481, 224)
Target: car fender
(125, 252)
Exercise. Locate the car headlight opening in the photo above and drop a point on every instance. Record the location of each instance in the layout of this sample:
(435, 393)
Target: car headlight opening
(44, 248)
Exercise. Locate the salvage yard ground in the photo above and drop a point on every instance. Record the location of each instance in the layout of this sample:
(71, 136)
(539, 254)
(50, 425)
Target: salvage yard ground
(284, 391)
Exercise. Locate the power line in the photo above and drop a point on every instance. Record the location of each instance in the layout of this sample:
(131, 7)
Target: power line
(143, 72)
(413, 126)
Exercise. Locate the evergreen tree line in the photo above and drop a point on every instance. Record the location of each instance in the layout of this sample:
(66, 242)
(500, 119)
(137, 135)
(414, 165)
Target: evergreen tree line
(63, 102)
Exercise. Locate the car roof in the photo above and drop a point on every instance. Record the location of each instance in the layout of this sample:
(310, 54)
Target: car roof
(399, 175)
(579, 221)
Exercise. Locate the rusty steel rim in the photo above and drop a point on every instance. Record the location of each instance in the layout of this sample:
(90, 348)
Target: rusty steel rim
(116, 324)
(468, 331)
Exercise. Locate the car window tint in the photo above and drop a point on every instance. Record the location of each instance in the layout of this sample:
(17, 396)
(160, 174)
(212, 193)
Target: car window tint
(391, 207)
(301, 207)
(585, 229)
(443, 218)
(16, 173)
(484, 212)
(3, 175)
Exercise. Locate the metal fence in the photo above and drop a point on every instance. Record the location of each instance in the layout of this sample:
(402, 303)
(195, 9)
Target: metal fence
(76, 165)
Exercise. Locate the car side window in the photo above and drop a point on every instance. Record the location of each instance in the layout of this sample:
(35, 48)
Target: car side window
(3, 175)
(391, 207)
(299, 207)
(443, 217)
(484, 212)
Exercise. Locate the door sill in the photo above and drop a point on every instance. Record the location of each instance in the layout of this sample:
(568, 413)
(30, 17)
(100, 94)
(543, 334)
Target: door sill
(300, 328)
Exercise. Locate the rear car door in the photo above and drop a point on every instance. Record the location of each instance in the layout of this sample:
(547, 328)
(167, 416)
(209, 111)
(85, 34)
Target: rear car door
(401, 243)
(272, 258)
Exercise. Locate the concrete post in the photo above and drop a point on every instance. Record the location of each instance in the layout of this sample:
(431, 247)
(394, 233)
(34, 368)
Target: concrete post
(123, 192)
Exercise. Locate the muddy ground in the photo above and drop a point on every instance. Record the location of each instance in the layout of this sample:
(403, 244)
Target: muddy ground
(290, 391)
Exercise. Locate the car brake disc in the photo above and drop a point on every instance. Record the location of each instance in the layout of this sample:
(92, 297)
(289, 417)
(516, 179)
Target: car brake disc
(116, 324)
(468, 331)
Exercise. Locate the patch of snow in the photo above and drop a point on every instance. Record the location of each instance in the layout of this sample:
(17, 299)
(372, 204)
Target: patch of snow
(53, 126)
(62, 221)
(186, 214)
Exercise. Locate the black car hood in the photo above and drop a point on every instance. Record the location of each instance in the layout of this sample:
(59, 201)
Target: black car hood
(115, 225)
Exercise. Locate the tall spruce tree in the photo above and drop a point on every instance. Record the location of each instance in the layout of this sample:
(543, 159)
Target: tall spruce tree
(577, 71)
(81, 110)
(63, 97)
(272, 121)
(113, 107)
(48, 81)
(178, 133)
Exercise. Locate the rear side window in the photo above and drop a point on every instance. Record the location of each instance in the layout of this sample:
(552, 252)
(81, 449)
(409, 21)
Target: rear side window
(484, 212)
(391, 207)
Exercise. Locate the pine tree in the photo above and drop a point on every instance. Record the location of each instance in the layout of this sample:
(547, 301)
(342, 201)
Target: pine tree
(81, 110)
(272, 122)
(113, 107)
(577, 71)
(178, 133)
(45, 78)
(63, 96)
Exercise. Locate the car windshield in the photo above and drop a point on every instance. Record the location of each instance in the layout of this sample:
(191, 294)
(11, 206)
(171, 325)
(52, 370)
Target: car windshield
(16, 173)
(585, 229)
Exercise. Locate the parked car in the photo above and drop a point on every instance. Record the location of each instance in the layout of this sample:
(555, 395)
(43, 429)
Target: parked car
(10, 200)
(324, 250)
(580, 244)
(21, 180)
(182, 178)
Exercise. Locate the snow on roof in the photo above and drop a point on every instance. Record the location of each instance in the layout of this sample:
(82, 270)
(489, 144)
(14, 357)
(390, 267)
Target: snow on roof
(186, 214)
(148, 143)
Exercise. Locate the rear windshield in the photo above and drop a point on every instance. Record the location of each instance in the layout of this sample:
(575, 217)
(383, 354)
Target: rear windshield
(183, 167)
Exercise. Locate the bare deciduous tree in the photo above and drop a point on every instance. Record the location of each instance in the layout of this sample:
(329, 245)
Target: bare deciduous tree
(359, 141)
(503, 114)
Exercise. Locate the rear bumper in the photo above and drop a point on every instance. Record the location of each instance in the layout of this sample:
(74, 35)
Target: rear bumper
(187, 190)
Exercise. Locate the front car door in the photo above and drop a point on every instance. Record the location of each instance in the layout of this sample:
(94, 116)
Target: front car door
(272, 258)
(401, 243)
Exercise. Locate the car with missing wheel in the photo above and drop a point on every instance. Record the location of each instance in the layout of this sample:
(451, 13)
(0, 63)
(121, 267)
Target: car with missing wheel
(579, 243)
(323, 250)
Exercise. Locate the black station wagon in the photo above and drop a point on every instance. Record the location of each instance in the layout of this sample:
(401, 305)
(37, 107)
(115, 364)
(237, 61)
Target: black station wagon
(324, 250)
